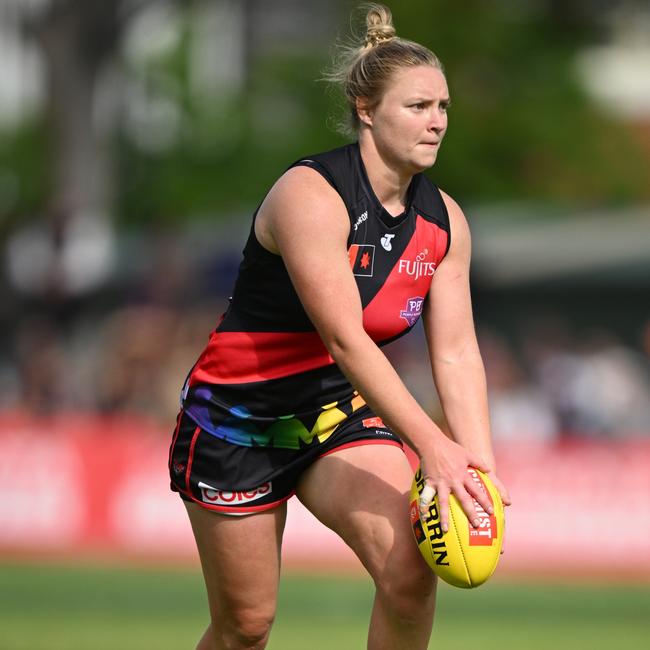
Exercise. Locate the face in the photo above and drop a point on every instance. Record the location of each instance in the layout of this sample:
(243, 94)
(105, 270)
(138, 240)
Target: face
(409, 122)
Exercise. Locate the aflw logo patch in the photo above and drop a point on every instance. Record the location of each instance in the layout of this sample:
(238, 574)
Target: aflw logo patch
(362, 259)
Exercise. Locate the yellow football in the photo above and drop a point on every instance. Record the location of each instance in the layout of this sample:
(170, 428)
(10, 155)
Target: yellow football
(464, 556)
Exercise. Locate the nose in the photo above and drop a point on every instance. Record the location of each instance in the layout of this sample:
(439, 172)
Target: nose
(438, 121)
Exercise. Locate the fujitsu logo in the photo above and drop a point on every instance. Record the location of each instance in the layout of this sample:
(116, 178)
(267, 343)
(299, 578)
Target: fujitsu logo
(418, 267)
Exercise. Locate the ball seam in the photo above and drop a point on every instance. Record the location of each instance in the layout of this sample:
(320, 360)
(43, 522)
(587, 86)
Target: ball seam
(460, 545)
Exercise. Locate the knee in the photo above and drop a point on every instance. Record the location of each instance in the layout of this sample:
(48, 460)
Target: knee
(245, 629)
(409, 594)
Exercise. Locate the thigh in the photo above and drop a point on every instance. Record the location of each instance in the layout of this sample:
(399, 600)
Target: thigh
(240, 558)
(362, 494)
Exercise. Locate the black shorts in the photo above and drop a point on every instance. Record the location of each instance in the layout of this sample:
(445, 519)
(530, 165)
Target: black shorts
(236, 479)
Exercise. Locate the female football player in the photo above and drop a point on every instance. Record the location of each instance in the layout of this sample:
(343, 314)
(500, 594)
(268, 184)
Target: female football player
(293, 394)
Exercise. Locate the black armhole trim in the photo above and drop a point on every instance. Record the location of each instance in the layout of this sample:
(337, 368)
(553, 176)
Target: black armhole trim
(443, 222)
(320, 168)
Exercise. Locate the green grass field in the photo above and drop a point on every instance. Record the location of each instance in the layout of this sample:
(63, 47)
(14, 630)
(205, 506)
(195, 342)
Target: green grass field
(59, 608)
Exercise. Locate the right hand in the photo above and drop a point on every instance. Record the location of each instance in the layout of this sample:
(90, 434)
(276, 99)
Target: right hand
(444, 470)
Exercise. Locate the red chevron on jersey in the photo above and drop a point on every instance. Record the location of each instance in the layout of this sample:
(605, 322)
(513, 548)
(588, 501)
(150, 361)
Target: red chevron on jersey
(411, 277)
(240, 357)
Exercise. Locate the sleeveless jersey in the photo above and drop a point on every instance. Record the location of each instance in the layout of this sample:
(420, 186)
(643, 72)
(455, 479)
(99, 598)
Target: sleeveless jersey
(265, 377)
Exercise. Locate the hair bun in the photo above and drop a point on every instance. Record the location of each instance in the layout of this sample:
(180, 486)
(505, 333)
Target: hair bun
(379, 23)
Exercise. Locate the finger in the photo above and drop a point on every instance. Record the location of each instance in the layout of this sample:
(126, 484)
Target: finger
(505, 495)
(426, 497)
(443, 504)
(503, 541)
(479, 494)
(467, 504)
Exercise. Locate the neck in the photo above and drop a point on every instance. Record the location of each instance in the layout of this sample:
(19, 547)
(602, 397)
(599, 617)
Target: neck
(389, 183)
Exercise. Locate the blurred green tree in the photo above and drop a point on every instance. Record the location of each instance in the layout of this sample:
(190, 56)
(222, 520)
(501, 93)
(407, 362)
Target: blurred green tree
(521, 127)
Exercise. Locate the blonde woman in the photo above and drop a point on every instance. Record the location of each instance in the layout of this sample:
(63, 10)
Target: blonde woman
(293, 394)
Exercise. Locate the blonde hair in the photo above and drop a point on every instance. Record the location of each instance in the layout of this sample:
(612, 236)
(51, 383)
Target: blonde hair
(364, 68)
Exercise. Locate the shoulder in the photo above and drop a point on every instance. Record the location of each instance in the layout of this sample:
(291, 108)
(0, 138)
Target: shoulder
(299, 185)
(316, 171)
(301, 200)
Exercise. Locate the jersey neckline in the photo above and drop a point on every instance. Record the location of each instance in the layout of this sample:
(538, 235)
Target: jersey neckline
(385, 217)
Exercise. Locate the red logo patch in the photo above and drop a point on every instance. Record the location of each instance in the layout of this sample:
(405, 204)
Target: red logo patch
(414, 512)
(486, 531)
(362, 258)
(373, 423)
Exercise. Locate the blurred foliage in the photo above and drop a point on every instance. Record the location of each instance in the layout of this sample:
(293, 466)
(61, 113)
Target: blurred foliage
(23, 172)
(230, 153)
(521, 127)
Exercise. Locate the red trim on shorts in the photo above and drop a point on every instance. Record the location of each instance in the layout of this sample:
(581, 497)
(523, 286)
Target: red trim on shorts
(190, 458)
(231, 510)
(361, 443)
(174, 438)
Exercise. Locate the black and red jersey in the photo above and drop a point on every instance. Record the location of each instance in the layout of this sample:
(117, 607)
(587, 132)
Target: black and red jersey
(265, 377)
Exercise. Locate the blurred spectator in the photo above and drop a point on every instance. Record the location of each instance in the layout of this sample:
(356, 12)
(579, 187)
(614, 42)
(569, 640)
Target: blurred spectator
(127, 345)
(134, 350)
(41, 368)
(611, 388)
(519, 410)
(598, 386)
(554, 365)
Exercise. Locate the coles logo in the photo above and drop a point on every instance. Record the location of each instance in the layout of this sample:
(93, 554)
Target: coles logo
(217, 497)
(486, 531)
(419, 267)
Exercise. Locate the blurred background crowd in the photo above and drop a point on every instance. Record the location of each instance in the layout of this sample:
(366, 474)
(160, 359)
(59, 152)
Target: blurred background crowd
(137, 137)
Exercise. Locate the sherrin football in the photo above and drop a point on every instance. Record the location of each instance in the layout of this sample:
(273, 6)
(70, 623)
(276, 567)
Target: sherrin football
(464, 556)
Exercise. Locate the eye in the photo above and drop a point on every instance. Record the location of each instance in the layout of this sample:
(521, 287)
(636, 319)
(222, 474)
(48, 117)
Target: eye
(420, 106)
(444, 106)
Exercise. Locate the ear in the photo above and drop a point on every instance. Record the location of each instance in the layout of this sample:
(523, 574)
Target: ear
(364, 111)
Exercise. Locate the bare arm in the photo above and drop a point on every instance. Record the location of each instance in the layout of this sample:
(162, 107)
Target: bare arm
(456, 361)
(305, 221)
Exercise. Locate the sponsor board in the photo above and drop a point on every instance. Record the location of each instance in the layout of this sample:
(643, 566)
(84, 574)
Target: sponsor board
(84, 484)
